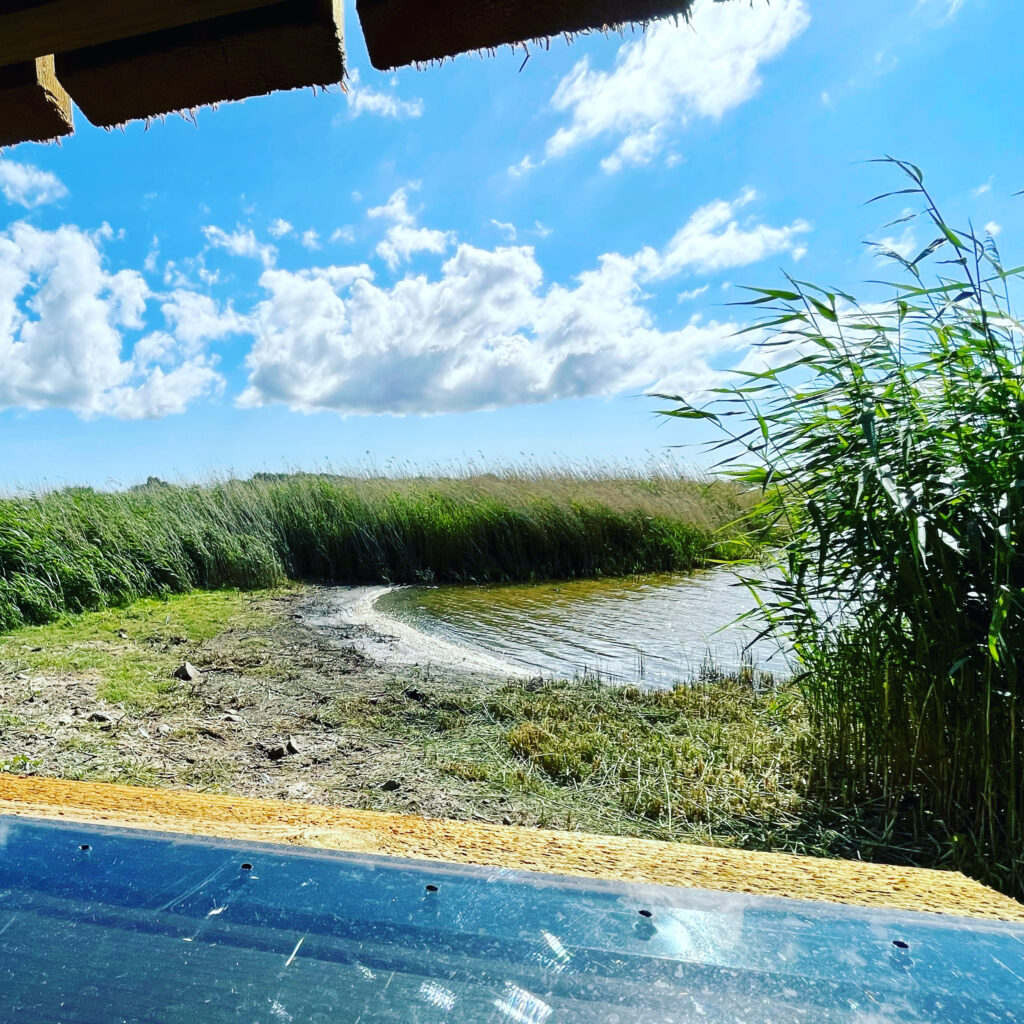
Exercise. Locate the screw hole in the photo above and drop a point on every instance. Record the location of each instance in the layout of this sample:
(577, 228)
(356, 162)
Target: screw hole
(85, 846)
(900, 944)
(431, 888)
(646, 913)
(247, 867)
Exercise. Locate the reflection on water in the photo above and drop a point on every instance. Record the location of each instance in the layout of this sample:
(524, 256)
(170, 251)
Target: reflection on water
(654, 629)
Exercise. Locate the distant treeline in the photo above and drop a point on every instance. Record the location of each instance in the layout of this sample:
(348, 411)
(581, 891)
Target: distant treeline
(78, 549)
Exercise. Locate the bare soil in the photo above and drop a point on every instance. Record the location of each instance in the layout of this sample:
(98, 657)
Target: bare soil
(287, 710)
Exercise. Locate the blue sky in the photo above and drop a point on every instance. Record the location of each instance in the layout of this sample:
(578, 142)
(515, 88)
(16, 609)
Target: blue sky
(473, 260)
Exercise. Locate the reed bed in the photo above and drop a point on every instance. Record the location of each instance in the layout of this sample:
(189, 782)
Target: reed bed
(80, 549)
(889, 436)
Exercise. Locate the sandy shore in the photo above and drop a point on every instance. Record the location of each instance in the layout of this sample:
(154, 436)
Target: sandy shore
(350, 615)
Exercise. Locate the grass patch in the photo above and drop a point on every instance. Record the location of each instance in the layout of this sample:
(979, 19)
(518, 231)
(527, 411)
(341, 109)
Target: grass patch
(132, 651)
(698, 762)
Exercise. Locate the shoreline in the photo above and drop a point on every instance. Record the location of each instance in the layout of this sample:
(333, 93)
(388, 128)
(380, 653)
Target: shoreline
(349, 615)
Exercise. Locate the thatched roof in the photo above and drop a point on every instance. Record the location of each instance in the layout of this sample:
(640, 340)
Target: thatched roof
(126, 59)
(402, 32)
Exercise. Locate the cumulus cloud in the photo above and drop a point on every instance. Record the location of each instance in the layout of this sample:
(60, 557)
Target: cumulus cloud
(714, 239)
(483, 329)
(672, 75)
(489, 331)
(404, 238)
(196, 319)
(311, 239)
(507, 228)
(280, 227)
(63, 318)
(29, 186)
(241, 242)
(363, 100)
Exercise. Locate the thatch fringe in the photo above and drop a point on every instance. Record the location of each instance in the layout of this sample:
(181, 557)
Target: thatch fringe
(422, 32)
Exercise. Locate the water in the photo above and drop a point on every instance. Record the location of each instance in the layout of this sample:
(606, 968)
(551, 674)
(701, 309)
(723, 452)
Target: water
(102, 925)
(653, 629)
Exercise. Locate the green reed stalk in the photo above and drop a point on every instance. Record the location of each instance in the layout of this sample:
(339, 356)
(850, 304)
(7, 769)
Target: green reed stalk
(888, 439)
(79, 549)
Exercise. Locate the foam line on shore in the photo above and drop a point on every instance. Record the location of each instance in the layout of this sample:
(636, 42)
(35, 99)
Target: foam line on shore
(351, 614)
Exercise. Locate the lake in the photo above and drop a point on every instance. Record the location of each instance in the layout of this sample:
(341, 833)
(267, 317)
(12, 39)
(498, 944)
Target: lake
(650, 629)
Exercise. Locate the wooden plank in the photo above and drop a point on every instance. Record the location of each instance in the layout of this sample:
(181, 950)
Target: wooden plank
(34, 107)
(288, 45)
(400, 32)
(31, 27)
(531, 849)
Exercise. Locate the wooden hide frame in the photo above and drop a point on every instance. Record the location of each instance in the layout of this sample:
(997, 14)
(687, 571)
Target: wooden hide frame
(34, 107)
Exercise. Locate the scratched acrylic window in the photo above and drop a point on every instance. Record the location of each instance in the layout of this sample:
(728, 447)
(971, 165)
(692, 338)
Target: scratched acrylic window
(100, 925)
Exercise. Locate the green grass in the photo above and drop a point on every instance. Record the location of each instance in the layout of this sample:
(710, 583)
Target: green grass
(698, 762)
(132, 651)
(78, 549)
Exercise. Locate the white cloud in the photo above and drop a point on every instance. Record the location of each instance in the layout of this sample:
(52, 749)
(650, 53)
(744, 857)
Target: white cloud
(345, 234)
(164, 393)
(280, 227)
(993, 228)
(672, 74)
(487, 333)
(946, 9)
(508, 229)
(522, 168)
(362, 100)
(240, 242)
(905, 244)
(634, 150)
(196, 319)
(29, 186)
(489, 330)
(982, 189)
(311, 239)
(692, 293)
(153, 255)
(63, 318)
(483, 329)
(713, 239)
(403, 238)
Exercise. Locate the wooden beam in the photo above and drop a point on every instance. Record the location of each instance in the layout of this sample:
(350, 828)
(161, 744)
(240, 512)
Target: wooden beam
(402, 32)
(288, 45)
(31, 27)
(34, 107)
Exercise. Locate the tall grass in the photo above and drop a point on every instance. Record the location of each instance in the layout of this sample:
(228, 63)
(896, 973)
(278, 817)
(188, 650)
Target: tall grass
(79, 549)
(890, 439)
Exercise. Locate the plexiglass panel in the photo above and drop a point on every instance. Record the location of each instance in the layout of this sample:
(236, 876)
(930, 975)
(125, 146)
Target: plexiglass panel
(101, 925)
